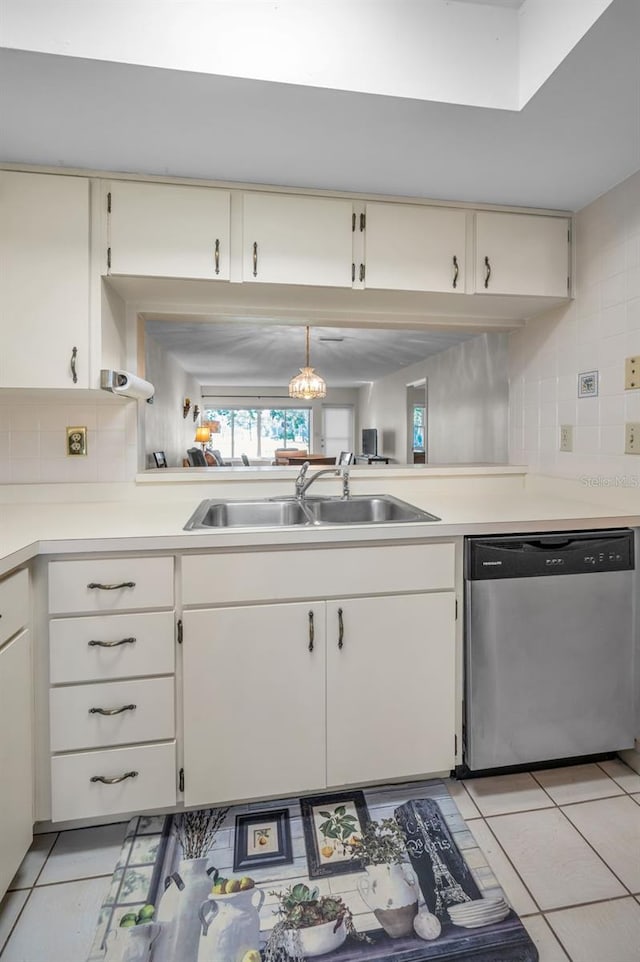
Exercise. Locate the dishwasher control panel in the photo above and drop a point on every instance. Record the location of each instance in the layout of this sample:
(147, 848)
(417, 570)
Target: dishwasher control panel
(543, 555)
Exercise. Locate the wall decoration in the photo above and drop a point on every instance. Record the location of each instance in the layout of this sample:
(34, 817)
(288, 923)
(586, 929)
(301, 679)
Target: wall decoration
(261, 839)
(331, 824)
(186, 407)
(588, 384)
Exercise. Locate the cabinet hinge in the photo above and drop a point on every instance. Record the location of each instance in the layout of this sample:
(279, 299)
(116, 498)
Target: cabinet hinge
(362, 272)
(456, 609)
(179, 626)
(568, 283)
(181, 780)
(363, 221)
(455, 745)
(109, 202)
(353, 273)
(353, 221)
(109, 257)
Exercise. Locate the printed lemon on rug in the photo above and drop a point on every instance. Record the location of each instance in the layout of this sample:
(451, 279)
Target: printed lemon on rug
(387, 874)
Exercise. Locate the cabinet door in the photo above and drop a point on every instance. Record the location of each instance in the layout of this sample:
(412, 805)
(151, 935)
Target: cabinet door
(390, 687)
(167, 230)
(412, 248)
(254, 707)
(16, 756)
(297, 240)
(44, 280)
(522, 254)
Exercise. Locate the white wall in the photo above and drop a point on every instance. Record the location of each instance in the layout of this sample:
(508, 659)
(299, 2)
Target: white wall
(165, 427)
(33, 435)
(467, 404)
(597, 331)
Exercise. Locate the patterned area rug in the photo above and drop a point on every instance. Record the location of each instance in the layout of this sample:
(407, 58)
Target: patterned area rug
(287, 880)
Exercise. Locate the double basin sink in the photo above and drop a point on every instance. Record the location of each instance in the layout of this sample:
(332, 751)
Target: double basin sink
(287, 512)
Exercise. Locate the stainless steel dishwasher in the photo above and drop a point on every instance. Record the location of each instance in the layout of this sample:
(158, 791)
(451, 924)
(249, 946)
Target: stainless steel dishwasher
(549, 647)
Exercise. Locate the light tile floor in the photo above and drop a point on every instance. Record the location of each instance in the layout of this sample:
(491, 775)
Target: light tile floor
(563, 843)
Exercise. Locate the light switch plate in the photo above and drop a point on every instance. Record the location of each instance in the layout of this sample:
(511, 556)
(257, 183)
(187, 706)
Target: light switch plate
(566, 437)
(632, 373)
(632, 438)
(76, 441)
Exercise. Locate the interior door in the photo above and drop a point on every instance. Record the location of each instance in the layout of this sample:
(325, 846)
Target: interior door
(337, 429)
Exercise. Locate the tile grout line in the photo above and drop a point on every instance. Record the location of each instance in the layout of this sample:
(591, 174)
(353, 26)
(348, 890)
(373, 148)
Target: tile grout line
(519, 877)
(621, 787)
(596, 852)
(15, 924)
(53, 845)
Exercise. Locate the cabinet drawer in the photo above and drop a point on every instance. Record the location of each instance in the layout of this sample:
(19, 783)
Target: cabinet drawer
(114, 584)
(74, 795)
(321, 573)
(106, 647)
(14, 604)
(75, 725)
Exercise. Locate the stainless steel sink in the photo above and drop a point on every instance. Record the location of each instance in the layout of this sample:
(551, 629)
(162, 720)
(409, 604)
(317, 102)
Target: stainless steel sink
(365, 510)
(287, 512)
(247, 514)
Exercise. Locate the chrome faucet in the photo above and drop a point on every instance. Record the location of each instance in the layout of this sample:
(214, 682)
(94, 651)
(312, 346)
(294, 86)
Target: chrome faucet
(303, 483)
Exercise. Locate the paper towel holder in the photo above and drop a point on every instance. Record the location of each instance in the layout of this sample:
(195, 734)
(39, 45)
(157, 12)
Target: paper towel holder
(126, 385)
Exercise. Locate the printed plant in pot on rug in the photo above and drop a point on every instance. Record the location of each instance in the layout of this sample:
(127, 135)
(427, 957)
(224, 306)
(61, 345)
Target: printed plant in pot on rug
(388, 874)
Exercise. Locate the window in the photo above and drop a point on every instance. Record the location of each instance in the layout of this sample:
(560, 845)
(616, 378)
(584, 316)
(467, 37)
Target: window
(418, 427)
(258, 432)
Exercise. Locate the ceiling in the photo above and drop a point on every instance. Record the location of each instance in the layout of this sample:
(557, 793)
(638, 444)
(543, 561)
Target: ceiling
(577, 137)
(245, 355)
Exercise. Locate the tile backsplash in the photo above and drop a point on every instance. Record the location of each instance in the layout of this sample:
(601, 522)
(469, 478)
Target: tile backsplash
(595, 332)
(33, 440)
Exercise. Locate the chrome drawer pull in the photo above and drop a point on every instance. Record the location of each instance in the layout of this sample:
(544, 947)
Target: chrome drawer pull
(111, 711)
(111, 644)
(113, 781)
(123, 584)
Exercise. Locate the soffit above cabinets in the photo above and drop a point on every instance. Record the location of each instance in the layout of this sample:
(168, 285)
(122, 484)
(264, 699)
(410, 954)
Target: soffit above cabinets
(174, 299)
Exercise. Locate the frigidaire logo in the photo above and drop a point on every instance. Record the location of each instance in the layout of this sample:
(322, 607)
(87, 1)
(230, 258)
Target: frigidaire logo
(489, 563)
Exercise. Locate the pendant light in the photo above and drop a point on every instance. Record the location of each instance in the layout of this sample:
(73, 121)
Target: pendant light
(307, 384)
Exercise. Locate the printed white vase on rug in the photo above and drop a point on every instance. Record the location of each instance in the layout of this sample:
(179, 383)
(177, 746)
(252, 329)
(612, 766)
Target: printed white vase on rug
(178, 911)
(230, 926)
(391, 892)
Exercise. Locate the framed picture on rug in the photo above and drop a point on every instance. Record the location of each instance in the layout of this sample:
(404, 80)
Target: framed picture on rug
(261, 839)
(331, 825)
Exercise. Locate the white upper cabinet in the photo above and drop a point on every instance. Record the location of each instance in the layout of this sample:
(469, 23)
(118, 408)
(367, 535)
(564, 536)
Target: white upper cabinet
(166, 230)
(44, 281)
(522, 254)
(415, 248)
(293, 239)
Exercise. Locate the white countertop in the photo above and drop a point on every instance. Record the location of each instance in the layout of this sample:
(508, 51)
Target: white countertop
(137, 518)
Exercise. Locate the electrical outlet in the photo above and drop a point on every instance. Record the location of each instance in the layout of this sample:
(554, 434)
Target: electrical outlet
(632, 438)
(566, 437)
(632, 373)
(76, 441)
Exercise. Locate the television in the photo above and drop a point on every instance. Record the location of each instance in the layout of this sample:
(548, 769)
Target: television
(370, 442)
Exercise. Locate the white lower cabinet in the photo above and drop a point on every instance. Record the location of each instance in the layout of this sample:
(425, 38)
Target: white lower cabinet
(390, 687)
(288, 698)
(254, 703)
(16, 755)
(132, 779)
(111, 738)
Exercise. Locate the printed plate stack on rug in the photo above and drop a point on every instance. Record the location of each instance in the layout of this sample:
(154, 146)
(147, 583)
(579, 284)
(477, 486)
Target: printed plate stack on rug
(279, 881)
